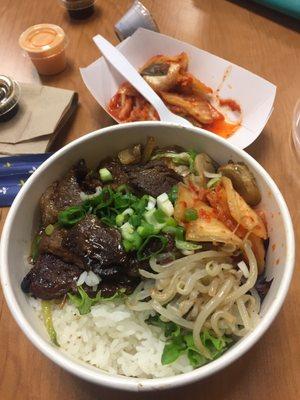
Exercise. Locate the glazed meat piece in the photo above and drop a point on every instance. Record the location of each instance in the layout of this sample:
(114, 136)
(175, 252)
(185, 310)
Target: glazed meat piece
(109, 287)
(54, 244)
(97, 245)
(132, 266)
(153, 178)
(91, 182)
(62, 194)
(50, 278)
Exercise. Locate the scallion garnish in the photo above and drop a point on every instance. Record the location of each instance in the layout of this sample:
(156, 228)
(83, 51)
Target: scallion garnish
(146, 229)
(105, 175)
(173, 194)
(183, 245)
(143, 255)
(49, 229)
(190, 214)
(176, 231)
(71, 216)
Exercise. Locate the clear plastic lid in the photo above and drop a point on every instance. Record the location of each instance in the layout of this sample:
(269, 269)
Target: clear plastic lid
(296, 127)
(43, 40)
(9, 94)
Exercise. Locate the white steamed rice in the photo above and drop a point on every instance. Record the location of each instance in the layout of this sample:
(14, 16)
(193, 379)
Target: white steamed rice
(114, 339)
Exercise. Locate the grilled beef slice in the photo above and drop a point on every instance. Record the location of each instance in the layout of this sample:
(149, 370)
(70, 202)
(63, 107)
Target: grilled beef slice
(62, 194)
(153, 178)
(50, 278)
(97, 246)
(54, 244)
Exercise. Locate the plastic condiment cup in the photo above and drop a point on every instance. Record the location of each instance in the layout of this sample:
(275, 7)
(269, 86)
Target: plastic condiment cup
(79, 9)
(9, 98)
(45, 44)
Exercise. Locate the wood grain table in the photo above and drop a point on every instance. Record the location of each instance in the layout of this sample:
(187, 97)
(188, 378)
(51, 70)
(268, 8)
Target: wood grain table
(244, 33)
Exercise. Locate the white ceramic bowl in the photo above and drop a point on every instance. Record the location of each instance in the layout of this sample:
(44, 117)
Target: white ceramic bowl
(23, 220)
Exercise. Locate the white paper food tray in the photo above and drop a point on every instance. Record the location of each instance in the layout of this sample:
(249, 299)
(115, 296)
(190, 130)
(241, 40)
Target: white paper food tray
(254, 94)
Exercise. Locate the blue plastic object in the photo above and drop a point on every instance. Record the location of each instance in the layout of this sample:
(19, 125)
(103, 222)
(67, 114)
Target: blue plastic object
(14, 171)
(288, 7)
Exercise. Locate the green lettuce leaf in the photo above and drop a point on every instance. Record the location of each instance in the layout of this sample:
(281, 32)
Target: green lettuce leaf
(84, 302)
(172, 350)
(180, 341)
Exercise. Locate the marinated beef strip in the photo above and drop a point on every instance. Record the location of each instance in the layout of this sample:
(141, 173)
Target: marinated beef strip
(50, 278)
(63, 194)
(153, 178)
(89, 245)
(97, 245)
(53, 244)
(124, 283)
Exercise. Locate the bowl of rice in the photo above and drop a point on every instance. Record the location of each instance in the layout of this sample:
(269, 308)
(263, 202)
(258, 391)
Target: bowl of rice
(113, 345)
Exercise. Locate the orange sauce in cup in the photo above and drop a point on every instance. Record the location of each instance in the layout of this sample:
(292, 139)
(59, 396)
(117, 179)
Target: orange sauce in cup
(45, 44)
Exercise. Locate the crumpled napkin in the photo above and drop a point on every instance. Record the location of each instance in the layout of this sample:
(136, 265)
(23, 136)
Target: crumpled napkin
(43, 111)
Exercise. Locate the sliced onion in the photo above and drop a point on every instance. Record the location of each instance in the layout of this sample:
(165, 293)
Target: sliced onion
(92, 279)
(81, 279)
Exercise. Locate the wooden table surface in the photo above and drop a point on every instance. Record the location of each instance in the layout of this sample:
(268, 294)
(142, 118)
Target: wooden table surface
(244, 33)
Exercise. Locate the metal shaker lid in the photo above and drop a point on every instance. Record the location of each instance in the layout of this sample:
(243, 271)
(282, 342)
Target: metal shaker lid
(9, 94)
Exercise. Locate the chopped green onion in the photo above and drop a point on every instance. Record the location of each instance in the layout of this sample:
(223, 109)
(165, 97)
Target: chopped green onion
(135, 220)
(128, 246)
(71, 216)
(123, 189)
(105, 175)
(150, 218)
(140, 253)
(140, 205)
(178, 158)
(120, 218)
(47, 317)
(35, 248)
(151, 203)
(109, 221)
(173, 194)
(212, 182)
(160, 216)
(176, 231)
(129, 235)
(124, 200)
(146, 229)
(133, 242)
(170, 222)
(136, 240)
(49, 229)
(105, 198)
(164, 204)
(190, 214)
(193, 155)
(127, 230)
(183, 245)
